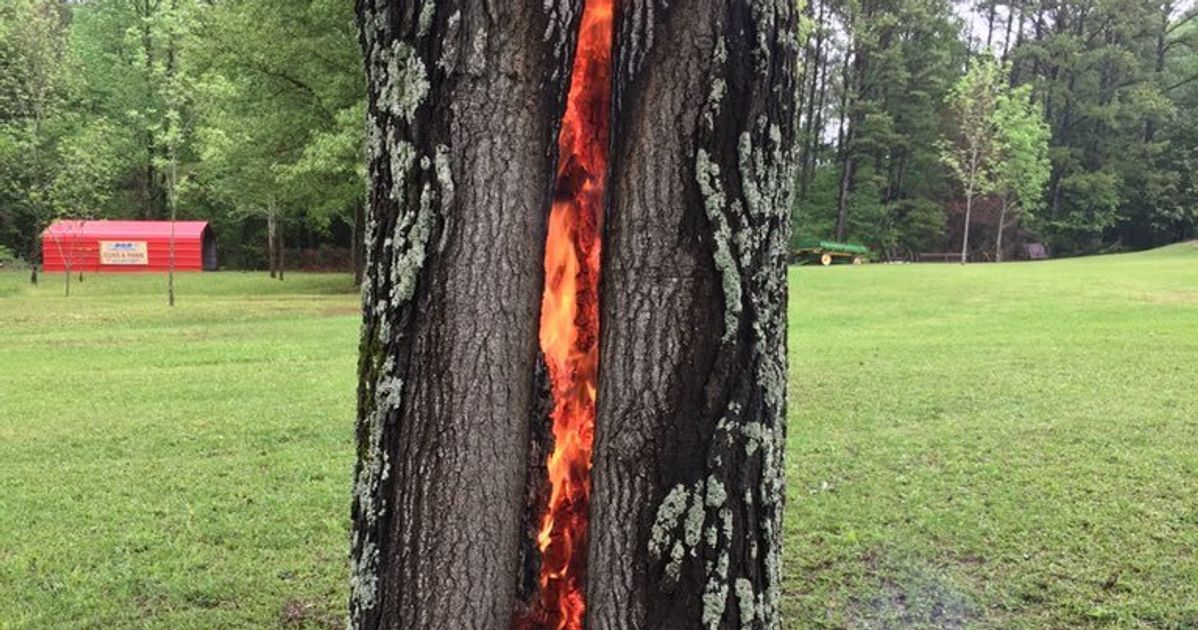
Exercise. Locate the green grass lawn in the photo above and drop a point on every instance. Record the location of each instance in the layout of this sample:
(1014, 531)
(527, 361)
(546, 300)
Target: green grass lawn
(992, 446)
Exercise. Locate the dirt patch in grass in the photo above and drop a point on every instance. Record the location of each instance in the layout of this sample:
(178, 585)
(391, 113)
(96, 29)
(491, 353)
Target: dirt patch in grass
(341, 310)
(1172, 297)
(912, 595)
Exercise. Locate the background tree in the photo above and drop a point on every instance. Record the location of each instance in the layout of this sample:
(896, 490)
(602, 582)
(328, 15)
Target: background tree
(290, 114)
(1115, 80)
(866, 164)
(135, 64)
(34, 87)
(972, 150)
(1022, 167)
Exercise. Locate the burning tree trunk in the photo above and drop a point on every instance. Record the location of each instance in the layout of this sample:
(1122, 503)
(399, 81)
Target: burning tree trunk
(575, 246)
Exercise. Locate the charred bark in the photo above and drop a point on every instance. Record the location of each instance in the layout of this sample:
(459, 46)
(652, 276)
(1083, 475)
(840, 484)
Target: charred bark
(464, 100)
(687, 479)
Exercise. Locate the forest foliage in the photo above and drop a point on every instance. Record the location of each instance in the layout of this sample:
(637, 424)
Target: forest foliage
(256, 106)
(249, 111)
(1116, 81)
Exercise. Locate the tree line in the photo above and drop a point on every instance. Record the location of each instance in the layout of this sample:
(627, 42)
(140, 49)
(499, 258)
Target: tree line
(248, 113)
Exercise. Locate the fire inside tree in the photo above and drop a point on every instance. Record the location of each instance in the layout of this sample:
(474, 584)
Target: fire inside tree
(518, 150)
(569, 332)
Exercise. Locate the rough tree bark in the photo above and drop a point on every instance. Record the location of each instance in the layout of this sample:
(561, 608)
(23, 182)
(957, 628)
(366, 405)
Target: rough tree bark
(465, 103)
(687, 494)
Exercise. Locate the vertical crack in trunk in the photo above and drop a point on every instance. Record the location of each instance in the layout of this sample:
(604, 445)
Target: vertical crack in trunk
(569, 328)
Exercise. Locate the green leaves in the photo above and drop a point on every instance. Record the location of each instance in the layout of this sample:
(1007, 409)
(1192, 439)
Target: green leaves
(1022, 136)
(971, 150)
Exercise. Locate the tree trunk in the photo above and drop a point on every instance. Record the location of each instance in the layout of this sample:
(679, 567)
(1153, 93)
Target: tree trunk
(280, 250)
(1002, 224)
(810, 129)
(845, 187)
(990, 23)
(172, 191)
(271, 241)
(965, 229)
(848, 157)
(687, 495)
(465, 102)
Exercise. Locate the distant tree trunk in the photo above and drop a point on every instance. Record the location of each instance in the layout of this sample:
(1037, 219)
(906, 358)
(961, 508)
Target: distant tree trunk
(280, 250)
(172, 184)
(810, 129)
(848, 157)
(1006, 40)
(1002, 224)
(846, 186)
(272, 257)
(812, 121)
(965, 230)
(990, 22)
(465, 101)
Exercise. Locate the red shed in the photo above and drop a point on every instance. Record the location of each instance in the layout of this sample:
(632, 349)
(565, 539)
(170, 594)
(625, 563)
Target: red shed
(124, 246)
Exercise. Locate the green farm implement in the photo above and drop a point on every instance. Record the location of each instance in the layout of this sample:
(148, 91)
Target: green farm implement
(815, 251)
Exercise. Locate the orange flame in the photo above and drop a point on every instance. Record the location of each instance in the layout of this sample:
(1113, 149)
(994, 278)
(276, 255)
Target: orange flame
(570, 324)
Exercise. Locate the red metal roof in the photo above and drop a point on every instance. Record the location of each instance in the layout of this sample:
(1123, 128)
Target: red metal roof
(125, 229)
(98, 246)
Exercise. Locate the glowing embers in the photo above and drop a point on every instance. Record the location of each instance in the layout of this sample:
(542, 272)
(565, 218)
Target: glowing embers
(570, 325)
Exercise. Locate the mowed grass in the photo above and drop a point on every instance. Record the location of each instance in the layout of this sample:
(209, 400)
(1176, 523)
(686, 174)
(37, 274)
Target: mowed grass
(994, 446)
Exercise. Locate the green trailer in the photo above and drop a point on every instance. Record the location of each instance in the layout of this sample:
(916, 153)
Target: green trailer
(815, 251)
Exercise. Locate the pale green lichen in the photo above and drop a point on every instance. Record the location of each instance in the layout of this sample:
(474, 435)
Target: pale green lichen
(374, 471)
(449, 39)
(746, 599)
(406, 85)
(425, 20)
(715, 593)
(677, 555)
(363, 577)
(444, 175)
(707, 174)
(668, 513)
(409, 245)
(402, 156)
(716, 496)
(773, 575)
(719, 87)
